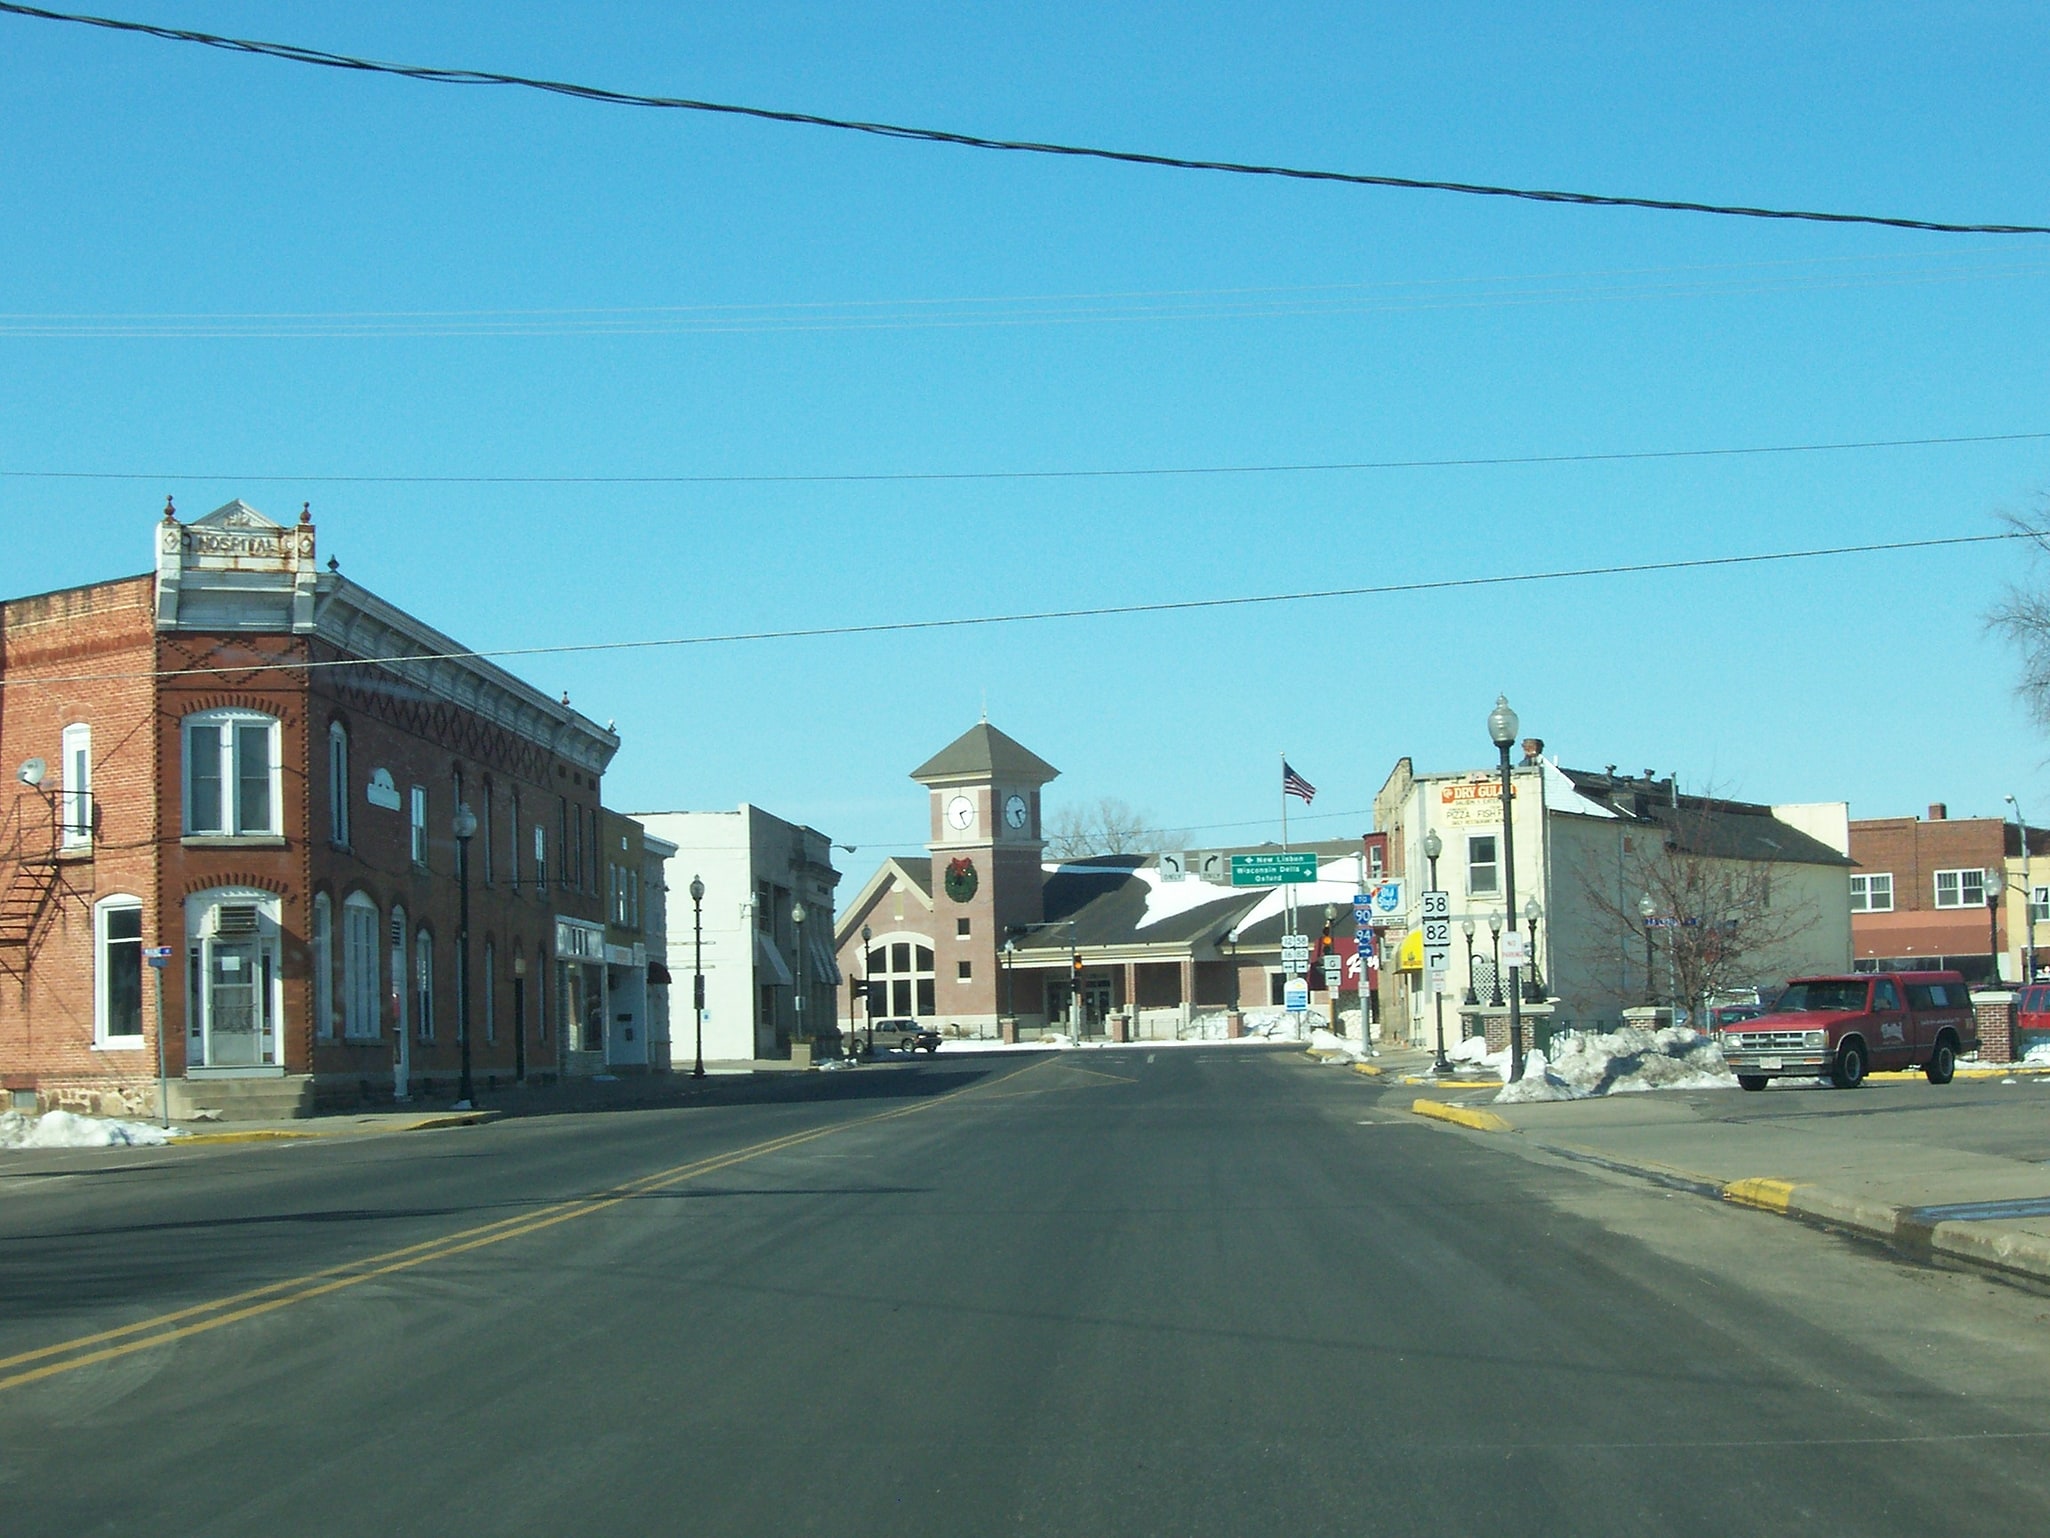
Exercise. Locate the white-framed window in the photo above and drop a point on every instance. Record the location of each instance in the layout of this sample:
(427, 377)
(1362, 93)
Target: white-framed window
(338, 784)
(1961, 888)
(423, 983)
(323, 944)
(76, 808)
(117, 972)
(231, 773)
(1483, 867)
(1872, 892)
(900, 977)
(359, 967)
(540, 860)
(2039, 905)
(419, 816)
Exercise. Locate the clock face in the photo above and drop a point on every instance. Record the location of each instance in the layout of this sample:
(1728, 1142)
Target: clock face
(961, 813)
(1015, 811)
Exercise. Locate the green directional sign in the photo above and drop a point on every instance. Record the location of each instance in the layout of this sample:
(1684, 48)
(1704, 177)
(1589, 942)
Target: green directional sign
(1272, 869)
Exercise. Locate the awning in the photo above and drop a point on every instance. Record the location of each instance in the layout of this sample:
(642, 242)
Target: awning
(769, 961)
(657, 972)
(824, 969)
(1410, 958)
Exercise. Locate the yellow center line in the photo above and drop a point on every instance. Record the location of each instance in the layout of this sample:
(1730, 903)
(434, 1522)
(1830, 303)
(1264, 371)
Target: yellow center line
(316, 1284)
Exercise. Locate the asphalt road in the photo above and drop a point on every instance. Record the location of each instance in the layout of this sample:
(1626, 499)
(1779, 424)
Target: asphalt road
(1194, 1291)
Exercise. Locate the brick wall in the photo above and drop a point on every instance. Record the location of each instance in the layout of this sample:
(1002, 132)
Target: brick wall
(1995, 1015)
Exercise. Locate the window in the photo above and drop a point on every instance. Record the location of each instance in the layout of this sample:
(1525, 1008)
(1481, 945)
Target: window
(423, 983)
(231, 773)
(562, 844)
(961, 929)
(323, 965)
(540, 860)
(77, 772)
(1483, 875)
(1960, 889)
(486, 821)
(1872, 894)
(900, 975)
(2039, 905)
(419, 824)
(338, 785)
(512, 849)
(359, 967)
(490, 991)
(964, 971)
(399, 969)
(118, 996)
(1885, 995)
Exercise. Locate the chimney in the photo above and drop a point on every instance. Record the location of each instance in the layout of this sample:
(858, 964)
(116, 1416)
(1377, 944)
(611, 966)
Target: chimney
(1938, 812)
(1533, 750)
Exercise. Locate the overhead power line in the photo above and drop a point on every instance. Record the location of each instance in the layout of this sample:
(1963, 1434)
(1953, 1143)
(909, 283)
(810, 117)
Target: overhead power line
(438, 75)
(1619, 456)
(1099, 611)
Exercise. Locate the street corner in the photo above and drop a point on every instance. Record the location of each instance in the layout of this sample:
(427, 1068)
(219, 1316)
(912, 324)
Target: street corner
(1461, 1116)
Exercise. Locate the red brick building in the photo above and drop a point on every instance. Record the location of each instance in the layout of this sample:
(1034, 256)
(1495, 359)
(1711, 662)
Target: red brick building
(257, 765)
(1919, 890)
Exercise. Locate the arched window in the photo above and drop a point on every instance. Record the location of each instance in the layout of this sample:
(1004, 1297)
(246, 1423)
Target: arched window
(231, 773)
(117, 990)
(323, 938)
(359, 967)
(423, 982)
(338, 784)
(903, 967)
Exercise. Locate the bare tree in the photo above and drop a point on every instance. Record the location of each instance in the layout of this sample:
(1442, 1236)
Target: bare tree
(2022, 617)
(1702, 883)
(1111, 826)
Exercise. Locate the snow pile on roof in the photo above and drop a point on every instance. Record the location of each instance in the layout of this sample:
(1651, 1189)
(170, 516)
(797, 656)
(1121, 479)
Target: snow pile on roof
(63, 1129)
(1620, 1062)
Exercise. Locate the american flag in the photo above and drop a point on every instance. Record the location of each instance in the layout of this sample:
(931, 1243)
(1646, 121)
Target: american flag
(1293, 784)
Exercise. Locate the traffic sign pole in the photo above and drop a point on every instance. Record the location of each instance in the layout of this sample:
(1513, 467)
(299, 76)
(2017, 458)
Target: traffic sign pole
(159, 957)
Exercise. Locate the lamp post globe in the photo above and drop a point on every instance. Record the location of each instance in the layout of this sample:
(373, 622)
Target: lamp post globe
(1433, 847)
(1501, 722)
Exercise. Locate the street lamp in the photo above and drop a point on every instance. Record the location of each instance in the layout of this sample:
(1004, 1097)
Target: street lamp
(697, 982)
(1495, 929)
(1502, 732)
(1646, 908)
(1473, 998)
(1535, 987)
(1993, 881)
(797, 946)
(2021, 827)
(867, 1003)
(465, 830)
(1010, 1002)
(1433, 847)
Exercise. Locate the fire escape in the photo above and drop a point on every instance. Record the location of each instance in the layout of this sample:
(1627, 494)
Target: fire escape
(28, 863)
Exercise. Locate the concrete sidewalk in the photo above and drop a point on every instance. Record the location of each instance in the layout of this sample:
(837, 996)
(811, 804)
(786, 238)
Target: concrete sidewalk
(1957, 1172)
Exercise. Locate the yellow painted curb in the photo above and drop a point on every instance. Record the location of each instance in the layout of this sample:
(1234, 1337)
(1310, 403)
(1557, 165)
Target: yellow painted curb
(1464, 1116)
(256, 1135)
(454, 1119)
(1370, 1069)
(1759, 1191)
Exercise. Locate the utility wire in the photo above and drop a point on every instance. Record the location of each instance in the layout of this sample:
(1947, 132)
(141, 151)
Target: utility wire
(1134, 472)
(1102, 611)
(297, 54)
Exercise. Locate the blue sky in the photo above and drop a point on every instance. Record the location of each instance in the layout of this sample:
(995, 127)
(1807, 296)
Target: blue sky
(399, 279)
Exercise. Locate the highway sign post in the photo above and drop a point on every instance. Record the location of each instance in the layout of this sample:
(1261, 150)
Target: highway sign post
(1437, 914)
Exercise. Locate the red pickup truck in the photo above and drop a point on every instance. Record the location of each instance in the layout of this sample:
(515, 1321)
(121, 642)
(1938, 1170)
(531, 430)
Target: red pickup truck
(1845, 1026)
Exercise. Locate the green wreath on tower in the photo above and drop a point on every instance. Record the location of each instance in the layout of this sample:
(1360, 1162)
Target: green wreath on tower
(961, 879)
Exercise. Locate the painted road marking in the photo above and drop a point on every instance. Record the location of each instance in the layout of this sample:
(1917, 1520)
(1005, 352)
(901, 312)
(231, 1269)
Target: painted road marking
(257, 1301)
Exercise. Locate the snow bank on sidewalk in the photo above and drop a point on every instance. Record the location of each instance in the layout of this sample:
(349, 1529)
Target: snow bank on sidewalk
(1620, 1062)
(63, 1129)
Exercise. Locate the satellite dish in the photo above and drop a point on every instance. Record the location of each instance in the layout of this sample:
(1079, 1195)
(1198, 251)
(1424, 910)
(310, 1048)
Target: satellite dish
(31, 772)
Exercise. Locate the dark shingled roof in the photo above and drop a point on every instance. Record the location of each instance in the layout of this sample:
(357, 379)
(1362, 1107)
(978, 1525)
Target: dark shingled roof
(1704, 825)
(983, 750)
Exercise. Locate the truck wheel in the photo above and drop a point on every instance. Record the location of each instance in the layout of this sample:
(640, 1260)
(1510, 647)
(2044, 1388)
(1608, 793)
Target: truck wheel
(1942, 1061)
(1848, 1072)
(1751, 1081)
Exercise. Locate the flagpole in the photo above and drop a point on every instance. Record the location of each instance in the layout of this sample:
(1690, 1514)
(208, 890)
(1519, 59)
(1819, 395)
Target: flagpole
(1288, 892)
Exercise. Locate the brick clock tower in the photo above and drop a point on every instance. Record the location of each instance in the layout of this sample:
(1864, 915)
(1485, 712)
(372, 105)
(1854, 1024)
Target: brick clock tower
(987, 849)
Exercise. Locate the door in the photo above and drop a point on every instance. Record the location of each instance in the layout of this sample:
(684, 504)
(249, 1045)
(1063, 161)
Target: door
(236, 1008)
(1891, 1044)
(1096, 994)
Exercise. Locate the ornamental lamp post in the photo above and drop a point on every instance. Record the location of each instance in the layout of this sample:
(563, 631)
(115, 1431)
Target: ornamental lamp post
(465, 830)
(797, 949)
(1993, 881)
(1495, 929)
(1502, 731)
(2021, 828)
(1646, 908)
(1473, 998)
(1532, 912)
(697, 982)
(1433, 847)
(868, 1012)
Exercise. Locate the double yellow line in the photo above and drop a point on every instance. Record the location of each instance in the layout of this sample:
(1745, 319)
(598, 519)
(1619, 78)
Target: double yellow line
(161, 1330)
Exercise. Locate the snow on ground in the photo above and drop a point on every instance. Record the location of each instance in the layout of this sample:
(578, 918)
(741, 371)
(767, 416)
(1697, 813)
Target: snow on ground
(63, 1129)
(1620, 1062)
(2038, 1056)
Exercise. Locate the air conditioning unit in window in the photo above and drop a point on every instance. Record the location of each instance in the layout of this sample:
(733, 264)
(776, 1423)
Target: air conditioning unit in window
(235, 919)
